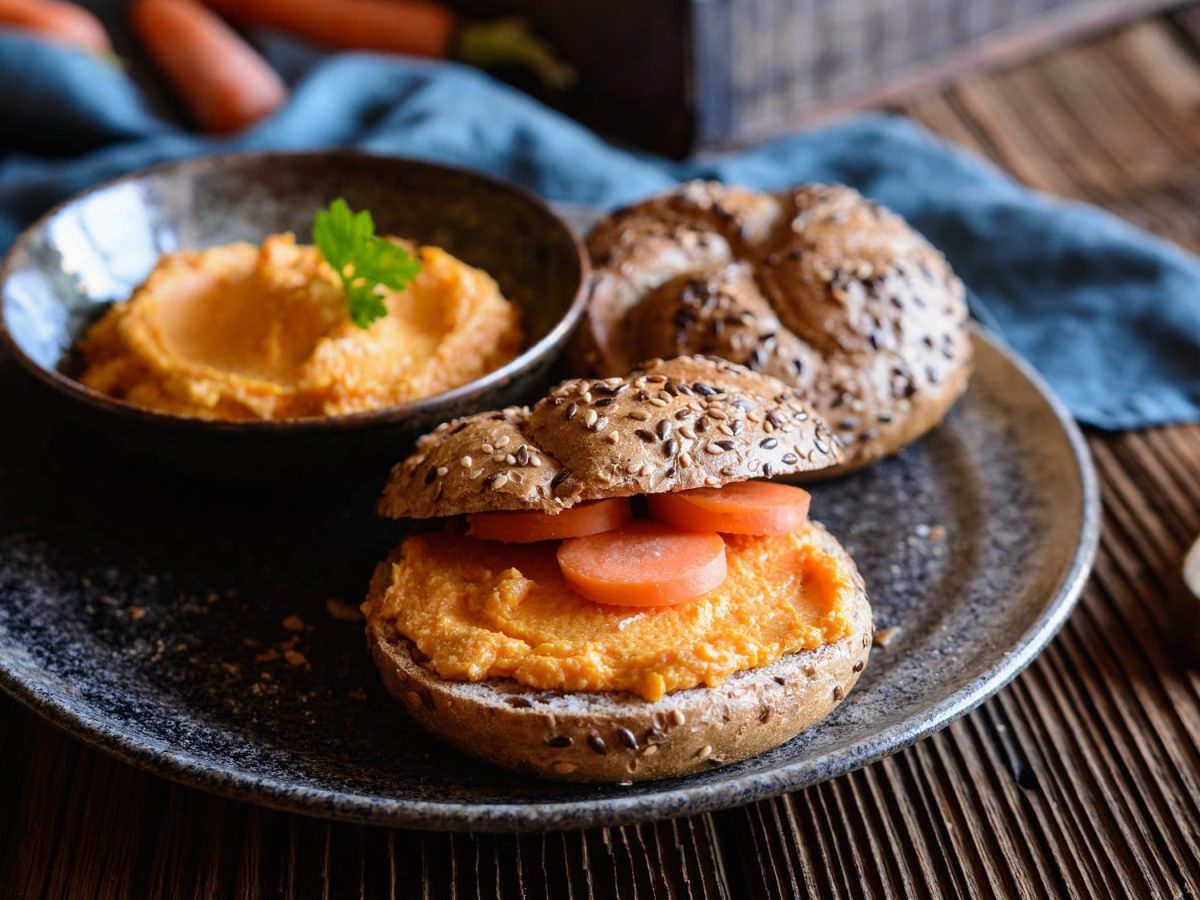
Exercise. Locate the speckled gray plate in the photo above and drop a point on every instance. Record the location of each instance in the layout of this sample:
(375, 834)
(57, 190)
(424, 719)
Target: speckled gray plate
(136, 609)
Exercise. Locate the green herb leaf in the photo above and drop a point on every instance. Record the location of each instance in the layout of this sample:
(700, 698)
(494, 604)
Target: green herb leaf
(364, 261)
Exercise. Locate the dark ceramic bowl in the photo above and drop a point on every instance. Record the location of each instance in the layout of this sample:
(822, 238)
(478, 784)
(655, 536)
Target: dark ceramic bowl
(67, 267)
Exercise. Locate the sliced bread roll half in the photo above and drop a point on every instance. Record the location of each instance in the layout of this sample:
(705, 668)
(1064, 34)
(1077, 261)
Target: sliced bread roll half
(670, 425)
(619, 737)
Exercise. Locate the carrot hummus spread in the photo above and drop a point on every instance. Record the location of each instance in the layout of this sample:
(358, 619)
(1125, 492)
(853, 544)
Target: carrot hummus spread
(482, 609)
(246, 332)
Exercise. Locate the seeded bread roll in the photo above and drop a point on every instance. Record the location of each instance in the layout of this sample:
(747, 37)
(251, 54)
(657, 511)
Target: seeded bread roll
(590, 736)
(667, 426)
(815, 285)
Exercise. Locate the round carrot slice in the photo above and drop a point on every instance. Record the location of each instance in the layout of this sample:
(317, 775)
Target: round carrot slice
(743, 507)
(526, 527)
(643, 564)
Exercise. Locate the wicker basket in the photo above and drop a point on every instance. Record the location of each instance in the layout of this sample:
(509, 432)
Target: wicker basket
(684, 75)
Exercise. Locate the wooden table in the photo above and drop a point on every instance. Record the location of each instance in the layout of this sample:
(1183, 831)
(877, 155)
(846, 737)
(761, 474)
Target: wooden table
(1080, 779)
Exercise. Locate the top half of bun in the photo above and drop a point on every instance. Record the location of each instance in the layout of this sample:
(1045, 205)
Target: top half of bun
(669, 425)
(815, 284)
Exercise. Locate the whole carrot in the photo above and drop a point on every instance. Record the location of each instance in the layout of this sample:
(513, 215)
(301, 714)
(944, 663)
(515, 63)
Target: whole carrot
(416, 27)
(64, 23)
(224, 83)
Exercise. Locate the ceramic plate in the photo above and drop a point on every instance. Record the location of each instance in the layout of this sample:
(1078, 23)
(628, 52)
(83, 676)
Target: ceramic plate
(191, 630)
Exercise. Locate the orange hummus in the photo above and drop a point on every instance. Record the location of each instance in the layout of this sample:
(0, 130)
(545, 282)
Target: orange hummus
(246, 332)
(481, 610)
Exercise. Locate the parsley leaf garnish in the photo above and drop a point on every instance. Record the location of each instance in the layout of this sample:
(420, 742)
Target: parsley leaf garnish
(364, 261)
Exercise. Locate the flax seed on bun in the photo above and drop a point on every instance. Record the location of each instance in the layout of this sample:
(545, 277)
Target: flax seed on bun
(667, 426)
(815, 285)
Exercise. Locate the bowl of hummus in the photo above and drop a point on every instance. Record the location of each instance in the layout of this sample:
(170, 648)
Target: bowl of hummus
(249, 315)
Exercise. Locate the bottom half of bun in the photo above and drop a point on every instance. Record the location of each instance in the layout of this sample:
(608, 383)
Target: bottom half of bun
(618, 736)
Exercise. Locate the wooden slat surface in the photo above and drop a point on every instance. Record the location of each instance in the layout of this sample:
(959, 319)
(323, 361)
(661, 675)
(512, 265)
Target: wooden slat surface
(1081, 779)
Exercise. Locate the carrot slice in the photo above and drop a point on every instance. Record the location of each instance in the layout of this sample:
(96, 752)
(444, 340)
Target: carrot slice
(643, 564)
(57, 21)
(224, 82)
(743, 507)
(528, 527)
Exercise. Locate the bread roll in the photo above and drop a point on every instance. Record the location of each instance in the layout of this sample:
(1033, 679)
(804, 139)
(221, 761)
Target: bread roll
(815, 285)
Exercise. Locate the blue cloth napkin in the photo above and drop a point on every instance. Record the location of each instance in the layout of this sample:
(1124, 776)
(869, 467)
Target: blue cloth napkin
(1108, 314)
